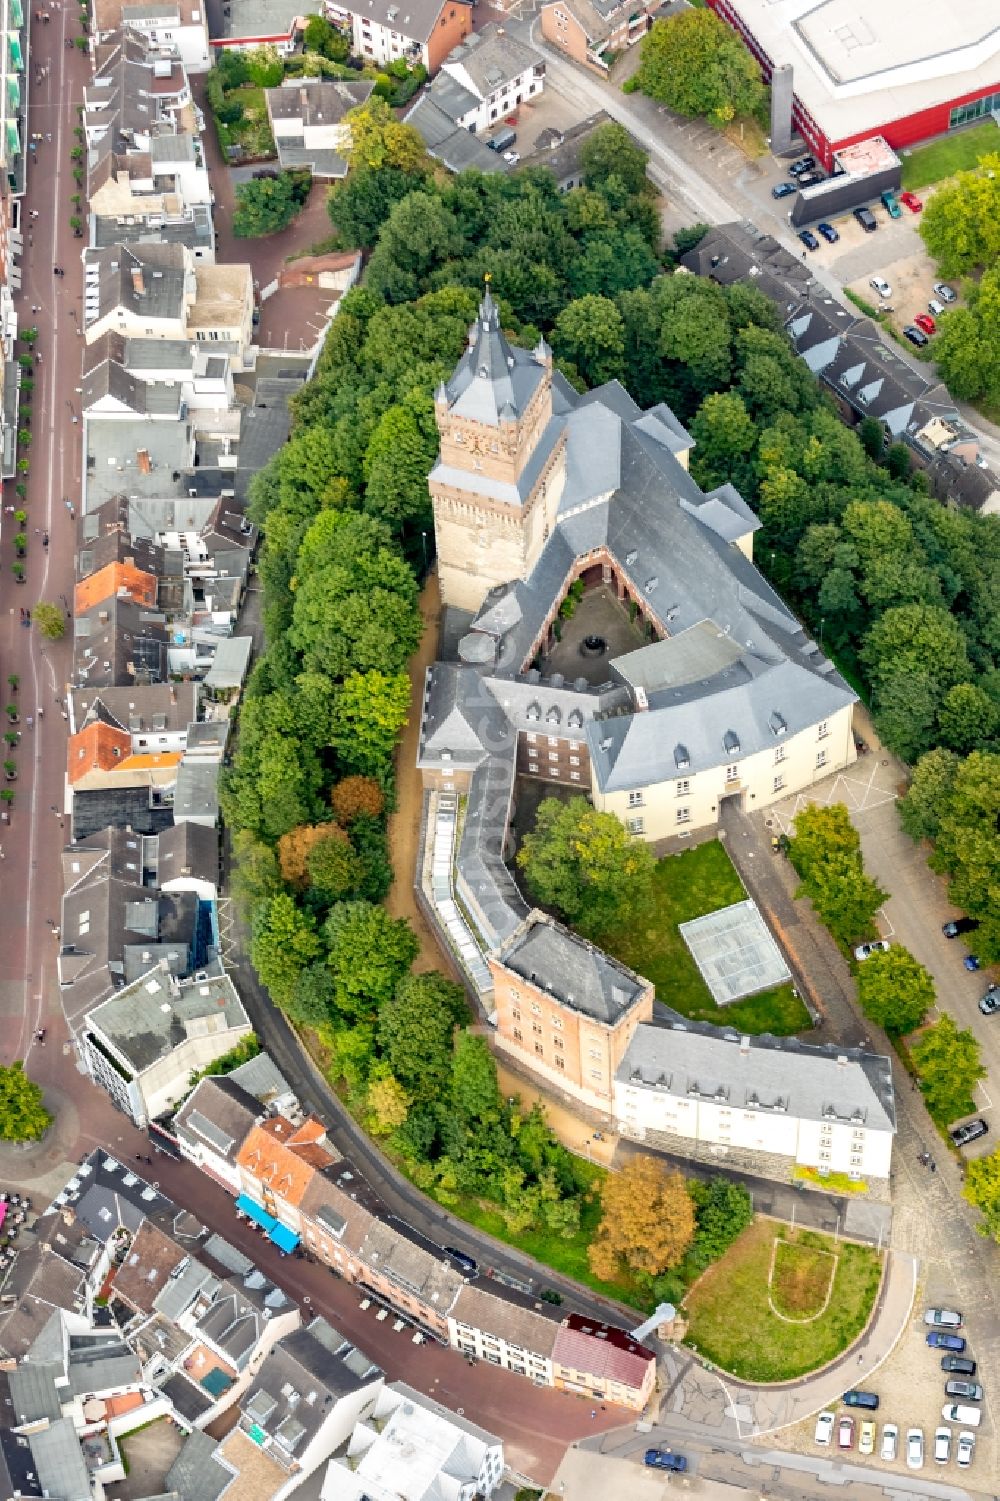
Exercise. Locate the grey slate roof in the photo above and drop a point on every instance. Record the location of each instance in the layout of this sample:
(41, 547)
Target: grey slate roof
(196, 1474)
(196, 792)
(577, 973)
(218, 1113)
(415, 19)
(59, 1462)
(456, 148)
(492, 378)
(33, 1392)
(764, 1073)
(188, 850)
(151, 1017)
(300, 1380)
(492, 57)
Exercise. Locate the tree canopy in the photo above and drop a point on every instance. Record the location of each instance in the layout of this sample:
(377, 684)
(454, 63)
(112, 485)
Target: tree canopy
(647, 1221)
(825, 849)
(697, 65)
(584, 864)
(948, 1066)
(23, 1116)
(894, 990)
(266, 204)
(982, 1188)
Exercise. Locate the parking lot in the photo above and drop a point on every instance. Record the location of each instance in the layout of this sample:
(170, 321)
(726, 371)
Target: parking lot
(910, 1387)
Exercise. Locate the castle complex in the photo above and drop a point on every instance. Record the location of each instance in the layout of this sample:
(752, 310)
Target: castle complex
(605, 628)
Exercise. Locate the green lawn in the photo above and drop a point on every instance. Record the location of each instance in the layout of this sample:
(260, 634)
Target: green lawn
(950, 154)
(732, 1324)
(253, 132)
(685, 886)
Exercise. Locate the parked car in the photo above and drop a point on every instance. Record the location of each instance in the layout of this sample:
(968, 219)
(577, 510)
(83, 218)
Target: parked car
(665, 1459)
(938, 1340)
(989, 1001)
(824, 1427)
(465, 1261)
(959, 1365)
(783, 189)
(804, 164)
(855, 1398)
(960, 925)
(810, 179)
(943, 1318)
(512, 158)
(954, 1412)
(866, 219)
(942, 1445)
(866, 1438)
(972, 963)
(965, 1451)
(549, 1295)
(865, 950)
(913, 203)
(890, 205)
(881, 286)
(969, 1131)
(914, 1448)
(845, 1432)
(808, 239)
(969, 1391)
(946, 293)
(926, 322)
(890, 1442)
(916, 336)
(830, 235)
(935, 307)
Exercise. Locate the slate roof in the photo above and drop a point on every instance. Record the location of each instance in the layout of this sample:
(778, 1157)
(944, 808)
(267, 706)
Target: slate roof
(106, 1195)
(196, 1474)
(196, 791)
(217, 1114)
(455, 147)
(139, 708)
(151, 281)
(576, 973)
(764, 1073)
(492, 377)
(514, 1317)
(33, 1392)
(188, 851)
(299, 1381)
(59, 1462)
(415, 19)
(489, 58)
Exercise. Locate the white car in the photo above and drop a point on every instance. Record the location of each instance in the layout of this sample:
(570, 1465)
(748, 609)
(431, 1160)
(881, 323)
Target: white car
(512, 157)
(965, 1451)
(824, 1427)
(881, 286)
(866, 1441)
(914, 1448)
(865, 950)
(943, 1318)
(890, 1442)
(942, 1445)
(954, 1412)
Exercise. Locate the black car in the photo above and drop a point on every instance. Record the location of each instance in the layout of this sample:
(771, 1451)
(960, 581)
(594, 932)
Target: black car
(808, 239)
(828, 232)
(960, 925)
(782, 189)
(970, 1131)
(469, 1267)
(866, 219)
(990, 1001)
(958, 1365)
(916, 336)
(804, 164)
(665, 1459)
(861, 1399)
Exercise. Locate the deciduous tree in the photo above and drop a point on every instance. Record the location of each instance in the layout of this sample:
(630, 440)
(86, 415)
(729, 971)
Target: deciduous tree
(356, 797)
(284, 941)
(584, 864)
(648, 1220)
(895, 991)
(590, 333)
(982, 1188)
(388, 1104)
(23, 1116)
(696, 65)
(948, 1065)
(369, 712)
(50, 620)
(416, 1029)
(368, 954)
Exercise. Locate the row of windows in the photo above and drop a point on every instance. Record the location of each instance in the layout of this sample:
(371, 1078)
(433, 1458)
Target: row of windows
(574, 745)
(574, 776)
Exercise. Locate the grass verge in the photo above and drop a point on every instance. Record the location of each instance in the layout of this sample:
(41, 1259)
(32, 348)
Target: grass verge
(732, 1324)
(685, 886)
(800, 1279)
(953, 153)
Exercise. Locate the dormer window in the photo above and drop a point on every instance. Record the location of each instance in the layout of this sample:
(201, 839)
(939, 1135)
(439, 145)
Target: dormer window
(681, 758)
(731, 742)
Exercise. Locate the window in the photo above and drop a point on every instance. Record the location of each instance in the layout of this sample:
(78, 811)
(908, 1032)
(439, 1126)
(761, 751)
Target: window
(683, 787)
(539, 1049)
(536, 1027)
(683, 815)
(536, 1010)
(635, 825)
(553, 755)
(532, 765)
(558, 1042)
(517, 1034)
(553, 740)
(595, 1073)
(778, 784)
(516, 1014)
(574, 776)
(556, 1022)
(635, 799)
(822, 729)
(553, 771)
(779, 754)
(574, 760)
(732, 773)
(560, 1062)
(532, 739)
(820, 758)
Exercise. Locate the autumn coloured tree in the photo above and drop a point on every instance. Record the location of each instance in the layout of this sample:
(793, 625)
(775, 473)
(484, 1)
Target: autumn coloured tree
(295, 848)
(648, 1220)
(356, 797)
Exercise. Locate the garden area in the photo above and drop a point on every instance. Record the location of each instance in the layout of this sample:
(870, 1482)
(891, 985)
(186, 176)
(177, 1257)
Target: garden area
(957, 152)
(802, 1299)
(235, 93)
(685, 886)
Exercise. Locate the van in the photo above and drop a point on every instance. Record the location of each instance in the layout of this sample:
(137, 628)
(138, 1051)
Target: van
(503, 140)
(954, 1412)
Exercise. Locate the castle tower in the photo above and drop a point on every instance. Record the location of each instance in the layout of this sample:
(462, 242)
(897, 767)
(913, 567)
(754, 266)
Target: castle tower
(500, 471)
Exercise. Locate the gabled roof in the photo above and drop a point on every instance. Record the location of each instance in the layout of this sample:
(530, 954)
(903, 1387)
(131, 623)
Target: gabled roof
(580, 975)
(584, 1344)
(217, 1115)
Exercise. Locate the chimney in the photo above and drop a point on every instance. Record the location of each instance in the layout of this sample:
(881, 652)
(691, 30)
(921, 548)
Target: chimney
(745, 1047)
(138, 285)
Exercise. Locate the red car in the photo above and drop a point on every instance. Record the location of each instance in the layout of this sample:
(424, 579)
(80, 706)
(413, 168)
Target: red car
(926, 322)
(912, 202)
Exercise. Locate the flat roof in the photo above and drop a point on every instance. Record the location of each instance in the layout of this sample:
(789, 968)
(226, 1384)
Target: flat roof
(858, 66)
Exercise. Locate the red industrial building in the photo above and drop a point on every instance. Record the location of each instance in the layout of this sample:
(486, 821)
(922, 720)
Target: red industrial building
(901, 69)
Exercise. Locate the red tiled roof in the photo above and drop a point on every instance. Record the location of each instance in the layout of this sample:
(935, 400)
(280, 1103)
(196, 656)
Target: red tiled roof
(586, 1345)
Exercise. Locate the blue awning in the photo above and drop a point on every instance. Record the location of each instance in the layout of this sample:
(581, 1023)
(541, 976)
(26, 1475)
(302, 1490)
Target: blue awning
(256, 1213)
(284, 1239)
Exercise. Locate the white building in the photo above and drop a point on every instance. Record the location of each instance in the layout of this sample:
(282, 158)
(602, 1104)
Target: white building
(763, 1096)
(412, 1449)
(165, 24)
(143, 1044)
(491, 74)
(309, 121)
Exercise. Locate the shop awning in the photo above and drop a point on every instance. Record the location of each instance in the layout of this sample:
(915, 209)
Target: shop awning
(284, 1239)
(256, 1213)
